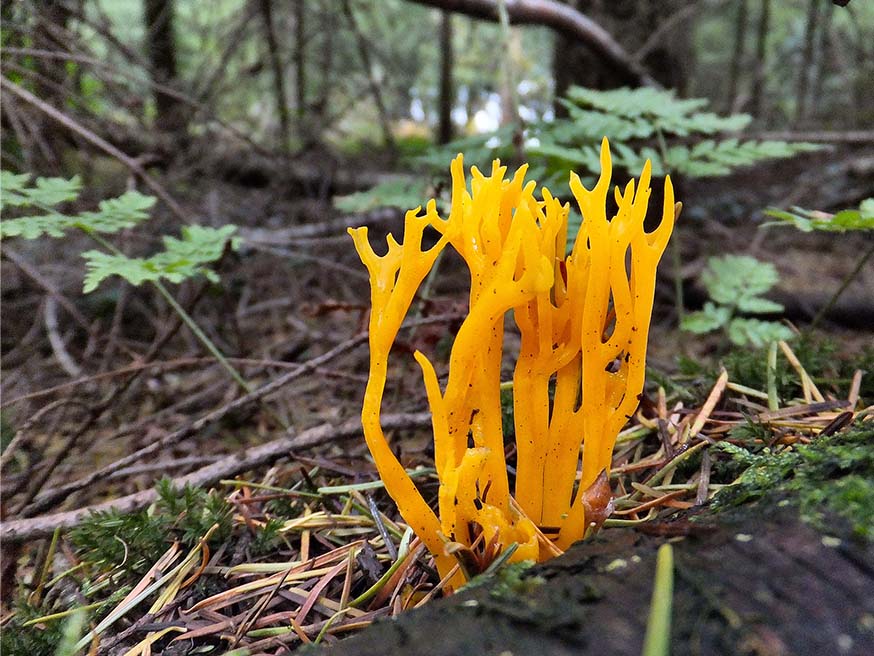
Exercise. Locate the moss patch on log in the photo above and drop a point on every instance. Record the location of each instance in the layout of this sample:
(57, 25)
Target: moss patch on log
(830, 477)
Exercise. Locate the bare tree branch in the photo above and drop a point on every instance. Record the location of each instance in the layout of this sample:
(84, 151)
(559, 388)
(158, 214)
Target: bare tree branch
(133, 165)
(39, 527)
(560, 17)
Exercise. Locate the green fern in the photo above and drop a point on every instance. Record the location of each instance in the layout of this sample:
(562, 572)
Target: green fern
(405, 194)
(811, 220)
(629, 117)
(185, 513)
(735, 284)
(180, 260)
(112, 215)
(14, 190)
(676, 135)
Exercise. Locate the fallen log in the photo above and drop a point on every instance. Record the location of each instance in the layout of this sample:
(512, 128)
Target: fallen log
(760, 583)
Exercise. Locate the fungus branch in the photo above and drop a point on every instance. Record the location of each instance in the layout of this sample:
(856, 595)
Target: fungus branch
(584, 321)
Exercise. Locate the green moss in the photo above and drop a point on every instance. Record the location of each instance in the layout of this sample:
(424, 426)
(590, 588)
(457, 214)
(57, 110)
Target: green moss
(513, 581)
(831, 370)
(33, 640)
(508, 581)
(831, 476)
(107, 539)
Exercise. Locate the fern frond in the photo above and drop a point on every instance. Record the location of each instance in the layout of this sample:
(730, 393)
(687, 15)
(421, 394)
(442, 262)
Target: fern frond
(181, 259)
(112, 215)
(405, 194)
(810, 220)
(14, 190)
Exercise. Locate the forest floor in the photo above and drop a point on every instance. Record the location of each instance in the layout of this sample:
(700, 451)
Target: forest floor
(296, 542)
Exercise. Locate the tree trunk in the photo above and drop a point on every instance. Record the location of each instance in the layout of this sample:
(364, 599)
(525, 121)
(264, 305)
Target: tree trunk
(51, 84)
(266, 9)
(161, 48)
(820, 60)
(738, 55)
(805, 69)
(630, 22)
(300, 80)
(758, 92)
(447, 89)
(373, 83)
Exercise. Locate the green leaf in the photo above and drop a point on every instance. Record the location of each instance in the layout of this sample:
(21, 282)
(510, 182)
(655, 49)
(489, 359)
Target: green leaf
(53, 191)
(12, 186)
(112, 215)
(47, 192)
(711, 158)
(711, 318)
(812, 220)
(757, 333)
(404, 194)
(758, 305)
(116, 214)
(181, 259)
(32, 227)
(733, 279)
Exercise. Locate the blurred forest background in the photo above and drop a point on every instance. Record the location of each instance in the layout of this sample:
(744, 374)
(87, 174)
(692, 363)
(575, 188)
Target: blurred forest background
(172, 80)
(251, 133)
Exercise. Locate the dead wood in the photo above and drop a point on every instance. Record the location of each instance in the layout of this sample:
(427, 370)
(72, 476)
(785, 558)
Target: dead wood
(40, 527)
(764, 583)
(332, 228)
(561, 17)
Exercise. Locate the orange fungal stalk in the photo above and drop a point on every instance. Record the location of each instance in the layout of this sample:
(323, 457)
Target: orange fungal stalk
(584, 321)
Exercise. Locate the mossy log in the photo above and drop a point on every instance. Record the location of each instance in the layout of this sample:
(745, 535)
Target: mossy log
(756, 580)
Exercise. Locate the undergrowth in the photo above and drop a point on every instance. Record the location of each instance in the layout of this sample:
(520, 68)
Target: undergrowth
(111, 538)
(820, 356)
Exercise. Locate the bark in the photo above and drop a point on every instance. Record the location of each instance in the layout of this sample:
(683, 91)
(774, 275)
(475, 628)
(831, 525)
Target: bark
(266, 9)
(758, 92)
(161, 47)
(737, 56)
(373, 83)
(565, 20)
(447, 88)
(300, 80)
(820, 60)
(633, 23)
(804, 71)
(51, 83)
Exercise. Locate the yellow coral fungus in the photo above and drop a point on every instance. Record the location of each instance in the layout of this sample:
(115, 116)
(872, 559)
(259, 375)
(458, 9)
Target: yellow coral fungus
(584, 320)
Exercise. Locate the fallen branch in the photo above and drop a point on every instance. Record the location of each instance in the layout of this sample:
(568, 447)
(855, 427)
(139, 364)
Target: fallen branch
(133, 165)
(332, 228)
(864, 137)
(40, 527)
(47, 499)
(560, 17)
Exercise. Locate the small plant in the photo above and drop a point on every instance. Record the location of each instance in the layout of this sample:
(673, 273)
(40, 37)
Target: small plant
(861, 218)
(185, 514)
(735, 284)
(180, 260)
(683, 132)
